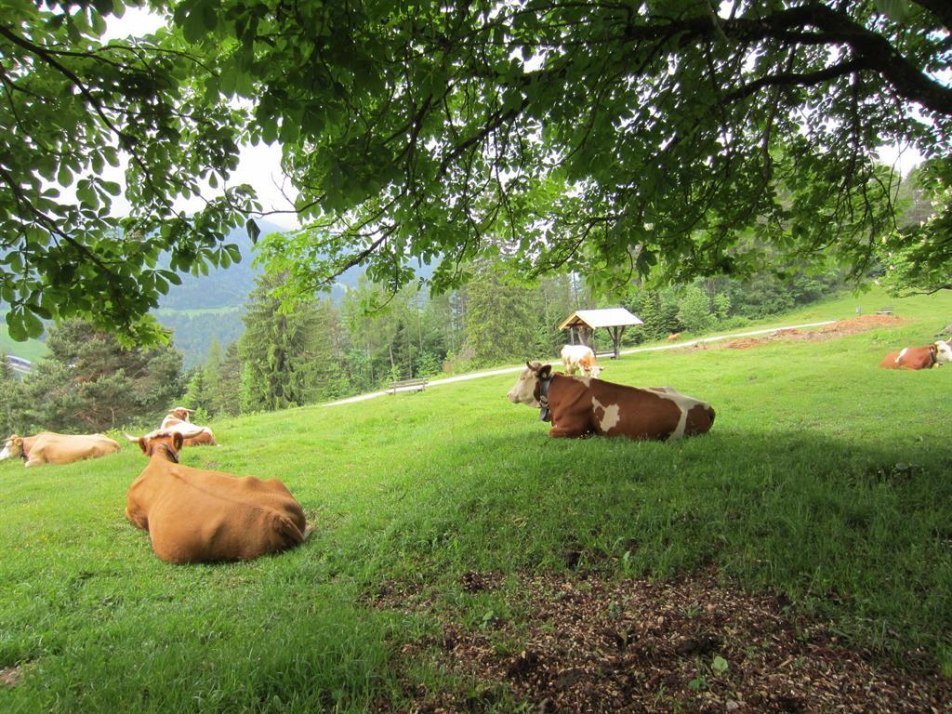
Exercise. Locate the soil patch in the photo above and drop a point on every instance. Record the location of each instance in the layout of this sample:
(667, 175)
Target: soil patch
(10, 676)
(840, 328)
(690, 644)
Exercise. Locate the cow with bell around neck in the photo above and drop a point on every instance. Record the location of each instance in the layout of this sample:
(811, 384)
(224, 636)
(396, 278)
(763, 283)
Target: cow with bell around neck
(195, 515)
(579, 407)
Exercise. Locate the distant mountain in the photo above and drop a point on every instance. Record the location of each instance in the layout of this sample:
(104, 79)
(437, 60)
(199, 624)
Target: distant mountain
(204, 308)
(209, 307)
(222, 287)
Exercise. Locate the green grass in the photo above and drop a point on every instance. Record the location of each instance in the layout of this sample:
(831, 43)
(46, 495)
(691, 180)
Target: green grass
(824, 477)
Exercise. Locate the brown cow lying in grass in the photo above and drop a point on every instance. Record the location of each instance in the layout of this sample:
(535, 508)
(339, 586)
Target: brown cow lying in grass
(924, 357)
(48, 447)
(577, 407)
(193, 515)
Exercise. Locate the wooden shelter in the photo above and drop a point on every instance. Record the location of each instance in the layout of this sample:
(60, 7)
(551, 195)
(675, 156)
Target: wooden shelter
(583, 324)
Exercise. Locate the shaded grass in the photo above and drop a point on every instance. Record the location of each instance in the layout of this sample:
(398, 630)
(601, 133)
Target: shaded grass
(824, 477)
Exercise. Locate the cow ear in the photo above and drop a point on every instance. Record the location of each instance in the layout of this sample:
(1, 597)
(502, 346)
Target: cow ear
(177, 440)
(544, 371)
(143, 444)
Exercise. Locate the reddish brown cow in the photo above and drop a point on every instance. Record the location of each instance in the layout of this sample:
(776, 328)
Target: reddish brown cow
(577, 407)
(193, 515)
(924, 357)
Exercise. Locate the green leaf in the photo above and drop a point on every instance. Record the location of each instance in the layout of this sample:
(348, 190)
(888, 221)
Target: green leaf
(15, 326)
(719, 665)
(64, 177)
(895, 10)
(31, 323)
(194, 28)
(254, 232)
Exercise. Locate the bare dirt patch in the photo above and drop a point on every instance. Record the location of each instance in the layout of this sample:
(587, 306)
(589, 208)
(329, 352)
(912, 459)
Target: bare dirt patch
(840, 328)
(10, 676)
(690, 644)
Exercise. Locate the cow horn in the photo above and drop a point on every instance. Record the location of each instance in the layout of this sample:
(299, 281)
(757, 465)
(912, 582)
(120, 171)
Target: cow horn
(134, 439)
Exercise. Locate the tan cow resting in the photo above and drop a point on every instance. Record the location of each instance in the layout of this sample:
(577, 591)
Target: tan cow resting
(577, 407)
(925, 357)
(193, 515)
(48, 447)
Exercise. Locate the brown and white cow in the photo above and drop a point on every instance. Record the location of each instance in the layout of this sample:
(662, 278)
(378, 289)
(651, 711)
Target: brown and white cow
(193, 515)
(179, 419)
(577, 407)
(48, 447)
(177, 415)
(924, 357)
(579, 357)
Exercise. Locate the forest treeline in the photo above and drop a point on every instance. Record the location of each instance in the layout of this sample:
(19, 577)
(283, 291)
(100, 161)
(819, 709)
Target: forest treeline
(319, 350)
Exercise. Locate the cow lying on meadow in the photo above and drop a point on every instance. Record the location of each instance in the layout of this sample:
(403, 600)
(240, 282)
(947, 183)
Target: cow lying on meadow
(48, 447)
(924, 357)
(194, 515)
(577, 407)
(179, 419)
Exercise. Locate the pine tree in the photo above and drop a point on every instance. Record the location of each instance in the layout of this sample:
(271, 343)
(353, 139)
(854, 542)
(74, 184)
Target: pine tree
(89, 382)
(500, 321)
(278, 348)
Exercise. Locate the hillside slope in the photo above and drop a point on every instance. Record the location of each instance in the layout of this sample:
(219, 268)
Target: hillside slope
(463, 560)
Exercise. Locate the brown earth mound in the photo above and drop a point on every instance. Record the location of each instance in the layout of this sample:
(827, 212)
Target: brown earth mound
(841, 328)
(692, 645)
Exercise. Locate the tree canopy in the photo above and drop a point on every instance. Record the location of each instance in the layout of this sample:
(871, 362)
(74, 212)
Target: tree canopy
(674, 138)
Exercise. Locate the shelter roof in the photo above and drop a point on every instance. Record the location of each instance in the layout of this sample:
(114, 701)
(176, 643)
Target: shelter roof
(607, 317)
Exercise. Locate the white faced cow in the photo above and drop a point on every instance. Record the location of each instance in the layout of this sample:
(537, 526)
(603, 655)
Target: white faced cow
(194, 515)
(48, 447)
(579, 357)
(577, 407)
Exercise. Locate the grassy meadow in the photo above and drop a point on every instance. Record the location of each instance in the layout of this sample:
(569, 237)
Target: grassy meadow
(824, 477)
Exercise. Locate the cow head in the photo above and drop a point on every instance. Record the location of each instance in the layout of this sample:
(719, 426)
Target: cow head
(943, 352)
(528, 388)
(595, 371)
(12, 447)
(181, 413)
(170, 442)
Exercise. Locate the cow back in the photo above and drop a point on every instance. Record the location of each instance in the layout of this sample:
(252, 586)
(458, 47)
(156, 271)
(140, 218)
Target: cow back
(199, 516)
(66, 448)
(584, 406)
(910, 358)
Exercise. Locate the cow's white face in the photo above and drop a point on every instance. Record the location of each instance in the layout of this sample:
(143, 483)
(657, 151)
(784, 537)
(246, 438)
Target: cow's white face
(523, 391)
(595, 371)
(943, 352)
(12, 447)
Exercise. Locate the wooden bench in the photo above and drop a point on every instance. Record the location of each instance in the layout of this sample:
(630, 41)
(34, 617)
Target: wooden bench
(605, 355)
(407, 385)
(886, 310)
